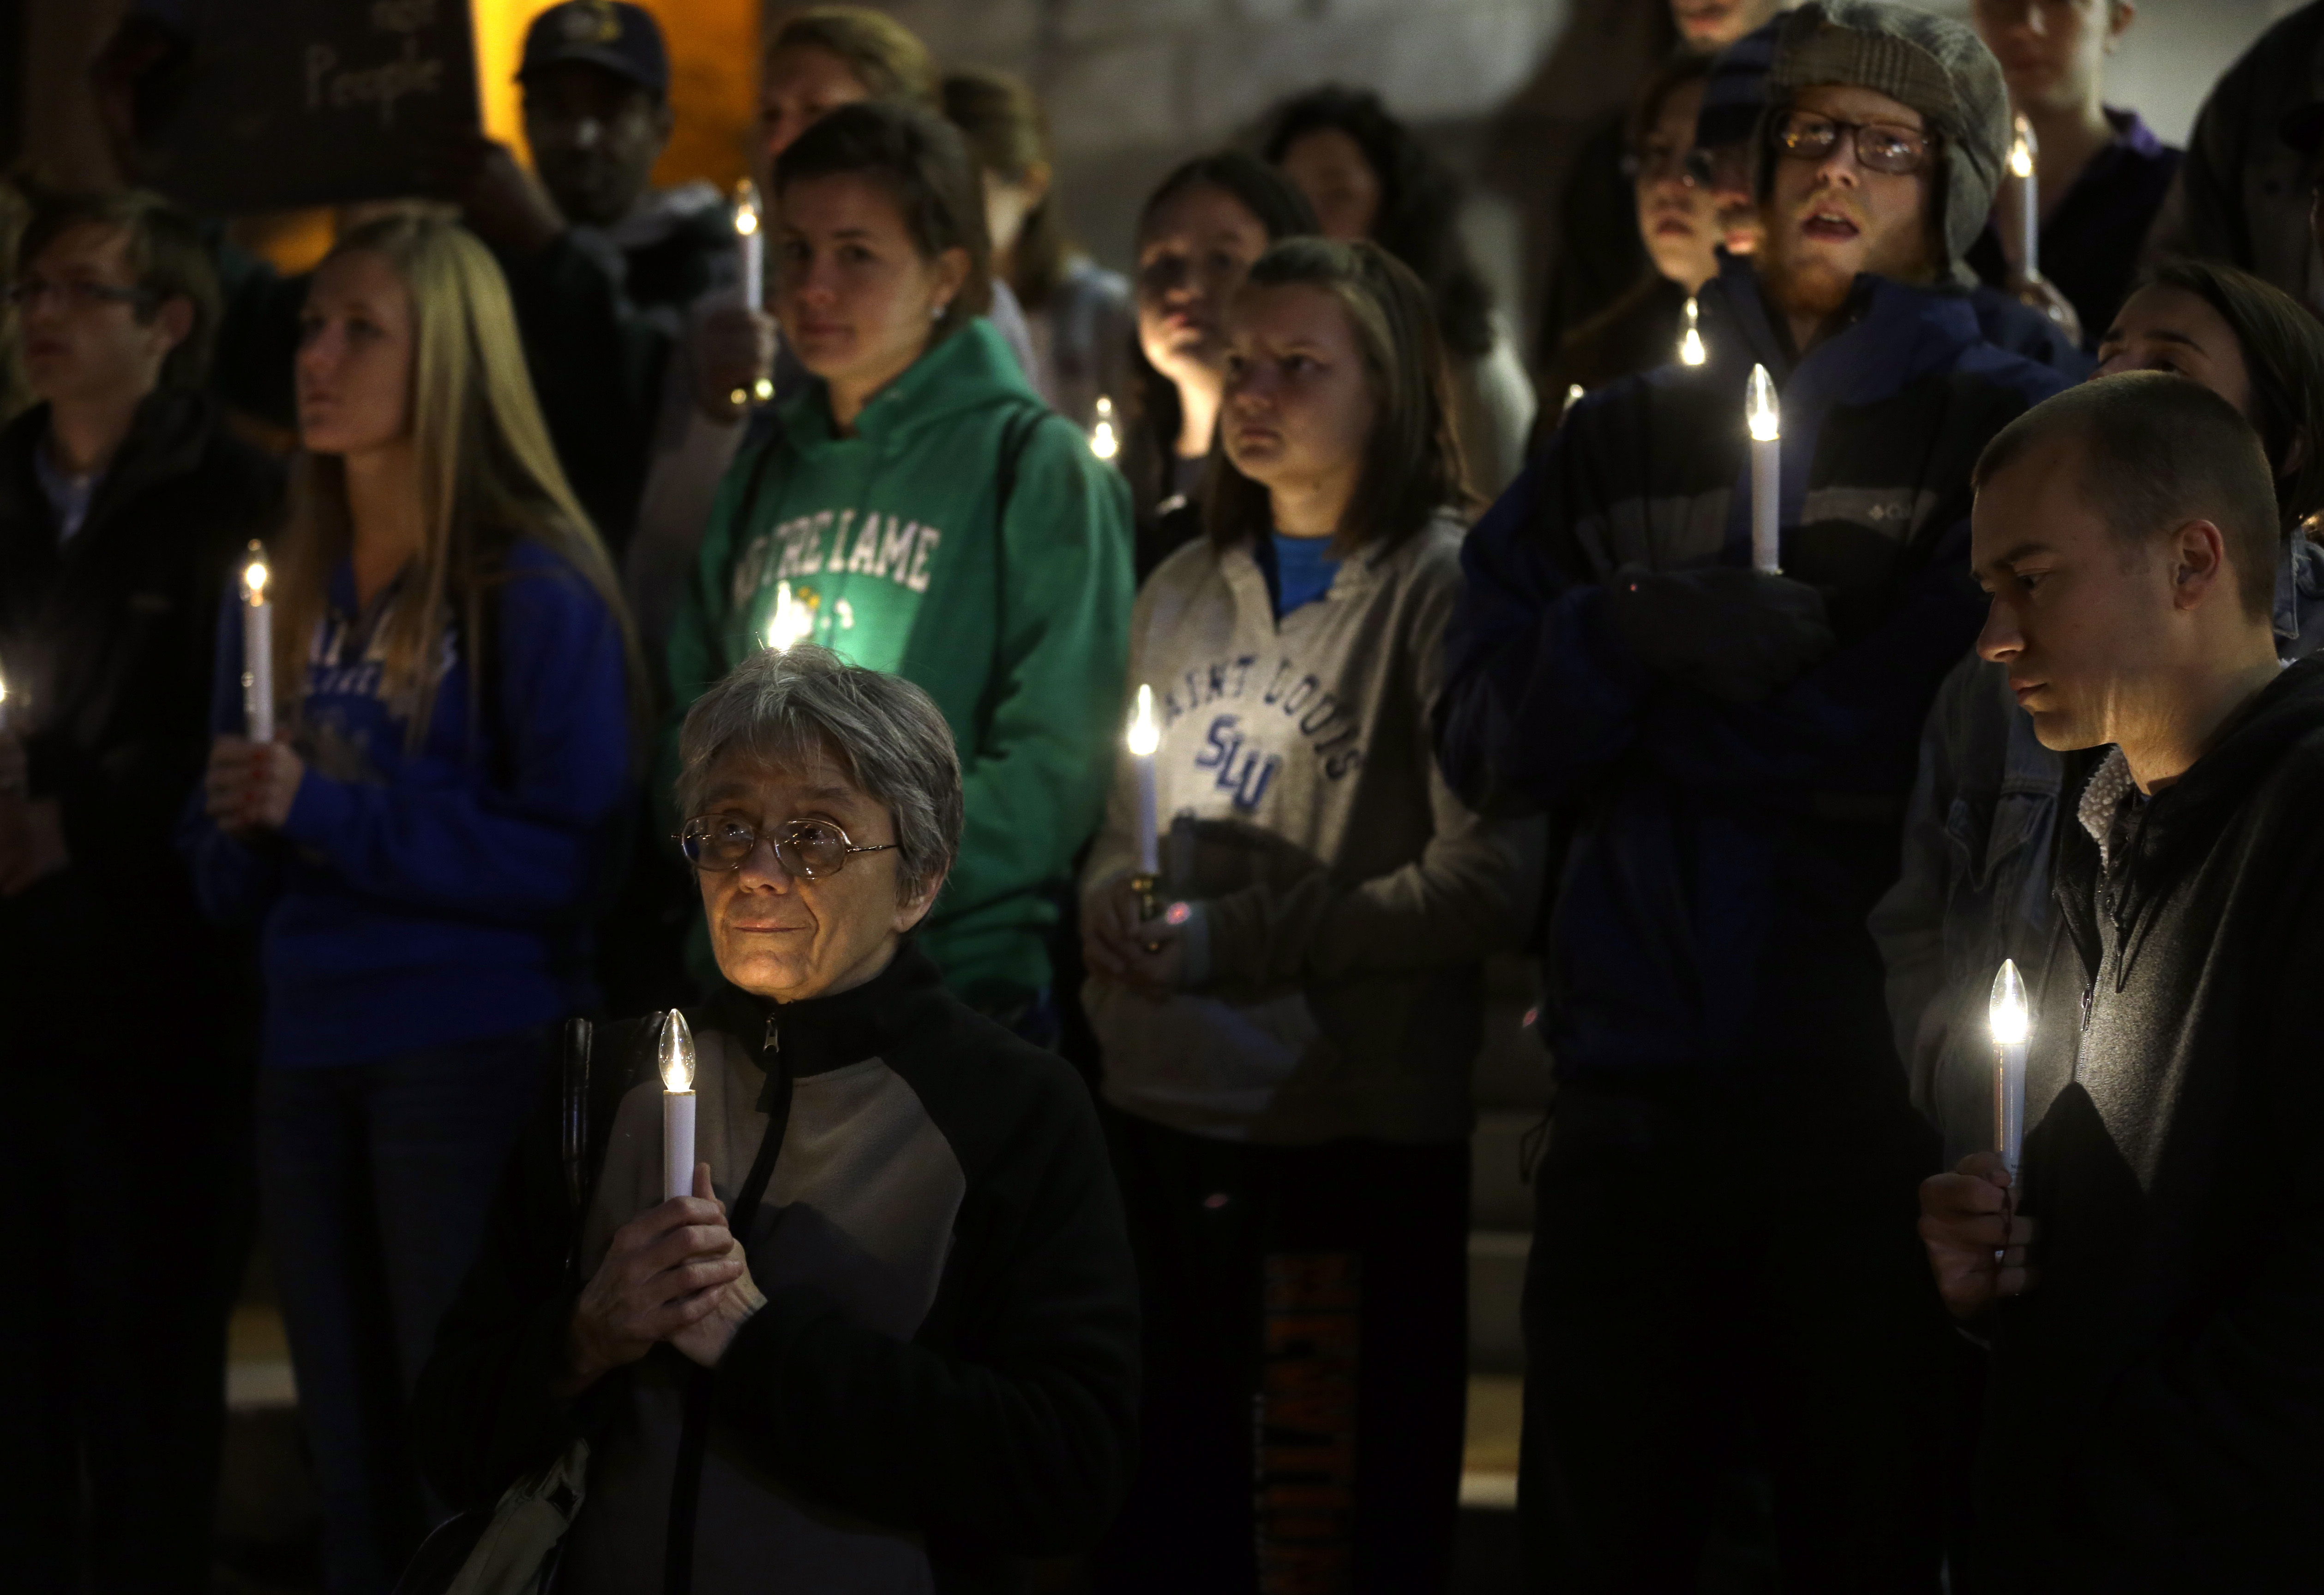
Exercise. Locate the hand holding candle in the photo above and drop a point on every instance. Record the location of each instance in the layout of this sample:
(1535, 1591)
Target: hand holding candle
(677, 1099)
(1766, 473)
(257, 649)
(2013, 1023)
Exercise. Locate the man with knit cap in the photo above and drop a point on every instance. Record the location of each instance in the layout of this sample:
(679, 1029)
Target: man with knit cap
(1726, 1279)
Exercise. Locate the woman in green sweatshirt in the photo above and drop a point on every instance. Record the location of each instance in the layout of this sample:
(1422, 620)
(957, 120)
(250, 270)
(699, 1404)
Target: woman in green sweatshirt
(920, 511)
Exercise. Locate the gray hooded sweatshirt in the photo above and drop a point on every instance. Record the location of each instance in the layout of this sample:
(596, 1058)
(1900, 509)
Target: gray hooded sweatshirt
(1341, 898)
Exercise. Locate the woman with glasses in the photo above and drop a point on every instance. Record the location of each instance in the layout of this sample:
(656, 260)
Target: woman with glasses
(1288, 1014)
(1681, 225)
(922, 512)
(422, 844)
(1368, 176)
(897, 1243)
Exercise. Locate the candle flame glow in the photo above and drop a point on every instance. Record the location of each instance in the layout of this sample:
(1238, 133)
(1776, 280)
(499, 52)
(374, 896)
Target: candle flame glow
(1691, 351)
(1103, 441)
(1145, 735)
(254, 577)
(2011, 1019)
(790, 621)
(1766, 419)
(746, 207)
(2021, 151)
(676, 1052)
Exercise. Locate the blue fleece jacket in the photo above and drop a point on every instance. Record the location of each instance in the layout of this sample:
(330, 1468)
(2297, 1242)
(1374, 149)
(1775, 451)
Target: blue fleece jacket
(420, 897)
(1720, 859)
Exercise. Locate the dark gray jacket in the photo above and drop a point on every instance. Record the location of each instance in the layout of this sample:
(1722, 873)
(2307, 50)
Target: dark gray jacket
(2155, 1415)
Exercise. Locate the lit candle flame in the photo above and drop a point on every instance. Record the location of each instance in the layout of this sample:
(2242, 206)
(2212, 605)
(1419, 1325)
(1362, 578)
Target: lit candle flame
(1145, 735)
(746, 207)
(676, 1052)
(2012, 1020)
(254, 577)
(1766, 419)
(2021, 152)
(1573, 394)
(790, 621)
(1691, 351)
(1103, 441)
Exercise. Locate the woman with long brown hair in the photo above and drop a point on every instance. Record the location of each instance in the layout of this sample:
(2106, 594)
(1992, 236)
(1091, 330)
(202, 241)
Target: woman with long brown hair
(1286, 1042)
(422, 842)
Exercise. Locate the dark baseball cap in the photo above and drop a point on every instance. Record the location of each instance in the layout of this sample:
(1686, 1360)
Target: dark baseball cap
(624, 40)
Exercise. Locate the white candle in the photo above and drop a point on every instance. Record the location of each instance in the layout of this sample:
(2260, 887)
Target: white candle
(1691, 351)
(257, 649)
(751, 244)
(676, 1058)
(2012, 1022)
(1766, 421)
(1144, 737)
(1104, 443)
(2029, 196)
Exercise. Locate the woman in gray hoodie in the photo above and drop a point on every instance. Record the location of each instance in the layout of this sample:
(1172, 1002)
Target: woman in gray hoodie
(1287, 1034)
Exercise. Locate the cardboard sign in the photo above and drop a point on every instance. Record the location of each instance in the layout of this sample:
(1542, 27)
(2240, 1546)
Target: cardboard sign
(290, 103)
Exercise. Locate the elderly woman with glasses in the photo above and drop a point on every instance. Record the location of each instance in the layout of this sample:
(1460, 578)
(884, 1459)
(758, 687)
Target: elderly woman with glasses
(890, 1340)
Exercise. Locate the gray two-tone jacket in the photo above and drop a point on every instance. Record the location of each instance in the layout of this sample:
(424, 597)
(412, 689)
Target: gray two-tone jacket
(944, 1377)
(1343, 898)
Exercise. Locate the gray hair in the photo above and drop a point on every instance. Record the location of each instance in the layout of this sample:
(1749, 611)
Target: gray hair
(776, 708)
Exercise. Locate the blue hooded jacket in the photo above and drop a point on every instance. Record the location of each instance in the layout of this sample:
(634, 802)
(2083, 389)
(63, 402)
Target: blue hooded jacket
(1719, 858)
(416, 898)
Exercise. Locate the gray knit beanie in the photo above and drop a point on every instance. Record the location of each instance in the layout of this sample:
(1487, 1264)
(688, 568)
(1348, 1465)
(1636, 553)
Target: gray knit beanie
(1933, 64)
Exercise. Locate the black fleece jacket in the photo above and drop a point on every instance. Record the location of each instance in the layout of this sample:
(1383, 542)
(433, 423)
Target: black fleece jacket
(972, 1383)
(2156, 1413)
(106, 639)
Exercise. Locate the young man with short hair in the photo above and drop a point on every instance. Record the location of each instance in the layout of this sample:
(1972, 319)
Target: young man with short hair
(2149, 1284)
(125, 1021)
(1727, 753)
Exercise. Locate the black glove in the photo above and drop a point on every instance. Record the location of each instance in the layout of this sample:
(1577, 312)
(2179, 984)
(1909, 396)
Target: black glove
(1737, 634)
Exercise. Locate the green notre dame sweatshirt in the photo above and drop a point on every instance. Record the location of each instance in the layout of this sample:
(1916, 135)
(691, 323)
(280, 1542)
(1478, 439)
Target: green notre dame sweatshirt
(892, 546)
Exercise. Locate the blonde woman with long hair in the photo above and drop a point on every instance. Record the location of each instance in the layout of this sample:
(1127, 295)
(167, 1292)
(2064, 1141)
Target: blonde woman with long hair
(422, 843)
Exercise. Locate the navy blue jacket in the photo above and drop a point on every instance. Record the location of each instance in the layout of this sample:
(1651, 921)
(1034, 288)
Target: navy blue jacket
(1719, 860)
(420, 897)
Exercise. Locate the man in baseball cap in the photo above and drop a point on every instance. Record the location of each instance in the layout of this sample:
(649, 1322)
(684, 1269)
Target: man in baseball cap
(597, 105)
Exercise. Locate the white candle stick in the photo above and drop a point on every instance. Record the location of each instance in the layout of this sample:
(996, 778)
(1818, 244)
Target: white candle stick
(1766, 422)
(2029, 196)
(751, 244)
(1144, 737)
(676, 1057)
(2013, 1023)
(1691, 351)
(257, 649)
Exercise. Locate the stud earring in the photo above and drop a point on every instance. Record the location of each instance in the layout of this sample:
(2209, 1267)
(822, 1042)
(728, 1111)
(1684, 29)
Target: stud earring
(937, 311)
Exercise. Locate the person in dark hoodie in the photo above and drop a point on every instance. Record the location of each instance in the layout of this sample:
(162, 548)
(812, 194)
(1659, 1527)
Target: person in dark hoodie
(424, 842)
(124, 502)
(1726, 755)
(890, 1342)
(1975, 882)
(2148, 1283)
